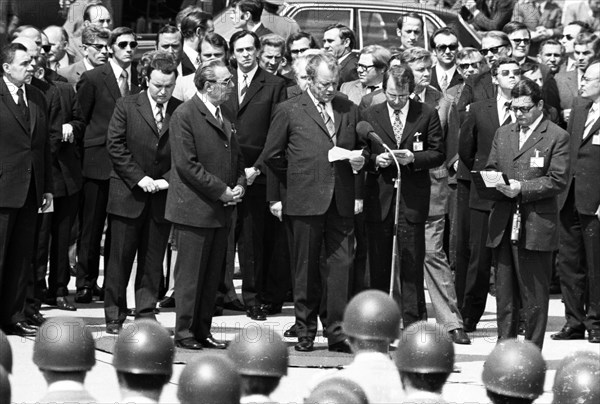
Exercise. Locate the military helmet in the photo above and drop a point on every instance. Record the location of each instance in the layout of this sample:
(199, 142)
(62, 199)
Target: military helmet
(515, 369)
(425, 348)
(144, 347)
(64, 344)
(337, 390)
(577, 379)
(209, 379)
(266, 356)
(5, 353)
(372, 315)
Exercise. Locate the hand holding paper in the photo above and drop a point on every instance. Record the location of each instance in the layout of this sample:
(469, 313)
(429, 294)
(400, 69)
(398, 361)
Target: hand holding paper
(339, 153)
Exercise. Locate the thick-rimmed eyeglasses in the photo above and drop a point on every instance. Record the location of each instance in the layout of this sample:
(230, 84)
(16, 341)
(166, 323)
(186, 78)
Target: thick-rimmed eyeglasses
(493, 49)
(442, 48)
(363, 67)
(523, 110)
(97, 46)
(514, 72)
(123, 45)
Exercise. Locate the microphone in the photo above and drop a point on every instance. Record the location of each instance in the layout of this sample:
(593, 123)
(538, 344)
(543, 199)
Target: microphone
(365, 129)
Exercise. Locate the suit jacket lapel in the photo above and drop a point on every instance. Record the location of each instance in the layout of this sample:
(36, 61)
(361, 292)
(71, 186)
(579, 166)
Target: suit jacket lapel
(493, 111)
(171, 106)
(111, 81)
(595, 128)
(533, 139)
(383, 119)
(33, 112)
(337, 116)
(209, 116)
(311, 110)
(255, 86)
(514, 139)
(412, 118)
(145, 109)
(10, 103)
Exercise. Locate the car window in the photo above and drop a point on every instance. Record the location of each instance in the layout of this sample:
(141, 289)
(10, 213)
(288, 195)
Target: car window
(314, 20)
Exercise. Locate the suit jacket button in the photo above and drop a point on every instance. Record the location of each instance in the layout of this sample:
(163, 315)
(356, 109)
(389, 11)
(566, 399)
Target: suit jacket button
(226, 145)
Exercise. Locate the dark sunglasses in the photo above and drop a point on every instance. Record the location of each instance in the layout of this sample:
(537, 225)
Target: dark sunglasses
(467, 65)
(123, 45)
(442, 48)
(568, 37)
(525, 41)
(297, 51)
(46, 48)
(516, 72)
(523, 110)
(97, 46)
(493, 49)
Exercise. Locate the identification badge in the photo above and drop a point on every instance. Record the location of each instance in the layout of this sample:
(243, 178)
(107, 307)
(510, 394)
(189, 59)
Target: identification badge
(417, 144)
(537, 161)
(596, 140)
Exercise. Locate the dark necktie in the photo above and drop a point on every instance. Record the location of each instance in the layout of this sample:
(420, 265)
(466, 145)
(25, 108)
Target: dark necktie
(159, 117)
(328, 121)
(417, 98)
(244, 89)
(397, 127)
(370, 89)
(22, 105)
(124, 85)
(507, 117)
(218, 116)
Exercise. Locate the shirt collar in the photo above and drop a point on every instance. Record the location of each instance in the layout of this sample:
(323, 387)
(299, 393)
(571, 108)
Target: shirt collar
(64, 62)
(64, 385)
(88, 65)
(13, 88)
(421, 95)
(534, 125)
(340, 60)
(439, 71)
(328, 106)
(256, 27)
(403, 110)
(212, 108)
(250, 75)
(153, 104)
(118, 70)
(192, 54)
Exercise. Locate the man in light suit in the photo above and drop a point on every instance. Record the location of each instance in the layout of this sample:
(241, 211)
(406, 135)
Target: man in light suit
(339, 40)
(319, 198)
(414, 129)
(138, 146)
(476, 135)
(250, 107)
(373, 61)
(95, 53)
(578, 254)
(25, 184)
(207, 179)
(97, 92)
(534, 154)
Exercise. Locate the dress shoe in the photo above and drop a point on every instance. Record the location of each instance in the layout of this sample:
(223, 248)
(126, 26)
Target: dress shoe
(256, 313)
(459, 336)
(594, 336)
(568, 333)
(469, 325)
(63, 303)
(210, 342)
(36, 319)
(113, 327)
(131, 312)
(234, 305)
(304, 344)
(555, 289)
(98, 291)
(83, 295)
(291, 332)
(167, 303)
(21, 328)
(189, 343)
(342, 346)
(271, 308)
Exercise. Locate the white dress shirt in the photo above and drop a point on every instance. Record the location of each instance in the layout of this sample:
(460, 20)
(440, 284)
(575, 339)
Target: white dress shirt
(523, 136)
(250, 76)
(403, 114)
(13, 91)
(328, 106)
(154, 104)
(592, 117)
(500, 106)
(118, 70)
(192, 54)
(439, 72)
(212, 108)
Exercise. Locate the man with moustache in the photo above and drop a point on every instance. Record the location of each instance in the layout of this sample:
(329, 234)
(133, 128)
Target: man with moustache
(97, 93)
(95, 51)
(476, 136)
(138, 146)
(207, 179)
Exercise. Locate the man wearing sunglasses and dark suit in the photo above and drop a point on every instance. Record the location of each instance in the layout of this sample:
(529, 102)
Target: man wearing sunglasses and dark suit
(444, 42)
(97, 93)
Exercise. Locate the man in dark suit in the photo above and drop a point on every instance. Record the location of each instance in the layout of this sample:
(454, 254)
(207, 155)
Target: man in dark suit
(193, 27)
(25, 184)
(97, 93)
(138, 145)
(579, 255)
(95, 53)
(534, 154)
(444, 42)
(58, 55)
(339, 40)
(477, 133)
(247, 17)
(319, 198)
(255, 94)
(207, 179)
(414, 129)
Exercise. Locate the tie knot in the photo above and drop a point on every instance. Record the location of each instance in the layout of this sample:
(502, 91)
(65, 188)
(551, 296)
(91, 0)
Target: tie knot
(159, 107)
(507, 104)
(397, 112)
(524, 129)
(124, 74)
(20, 92)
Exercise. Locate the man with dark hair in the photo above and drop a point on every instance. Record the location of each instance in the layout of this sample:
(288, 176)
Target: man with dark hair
(339, 40)
(579, 256)
(205, 183)
(270, 55)
(320, 196)
(97, 92)
(410, 31)
(95, 51)
(372, 64)
(169, 39)
(95, 13)
(444, 42)
(567, 39)
(406, 125)
(476, 135)
(255, 94)
(551, 54)
(520, 41)
(138, 146)
(194, 26)
(523, 224)
(298, 43)
(247, 17)
(26, 148)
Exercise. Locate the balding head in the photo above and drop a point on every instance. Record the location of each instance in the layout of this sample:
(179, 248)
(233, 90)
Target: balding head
(59, 40)
(32, 48)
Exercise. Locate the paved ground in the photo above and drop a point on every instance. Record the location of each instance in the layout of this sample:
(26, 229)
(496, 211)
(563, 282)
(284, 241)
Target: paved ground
(464, 386)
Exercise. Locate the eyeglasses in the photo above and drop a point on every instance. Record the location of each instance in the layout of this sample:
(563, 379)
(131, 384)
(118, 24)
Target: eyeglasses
(298, 51)
(46, 48)
(123, 45)
(523, 110)
(567, 37)
(515, 72)
(225, 82)
(397, 96)
(442, 48)
(97, 46)
(465, 66)
(525, 41)
(493, 49)
(363, 67)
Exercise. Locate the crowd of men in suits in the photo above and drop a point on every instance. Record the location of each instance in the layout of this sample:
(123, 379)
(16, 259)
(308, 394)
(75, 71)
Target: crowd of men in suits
(331, 173)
